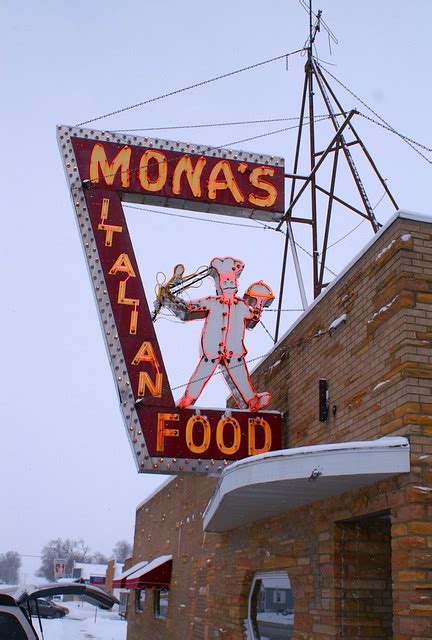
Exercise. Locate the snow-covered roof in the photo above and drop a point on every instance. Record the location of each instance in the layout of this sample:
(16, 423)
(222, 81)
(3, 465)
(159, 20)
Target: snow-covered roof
(88, 570)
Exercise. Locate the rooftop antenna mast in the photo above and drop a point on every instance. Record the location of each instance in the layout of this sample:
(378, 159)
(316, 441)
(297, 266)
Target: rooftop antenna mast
(339, 149)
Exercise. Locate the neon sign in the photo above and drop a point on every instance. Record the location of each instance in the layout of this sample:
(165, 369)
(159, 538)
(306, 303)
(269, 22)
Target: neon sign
(103, 170)
(222, 341)
(174, 174)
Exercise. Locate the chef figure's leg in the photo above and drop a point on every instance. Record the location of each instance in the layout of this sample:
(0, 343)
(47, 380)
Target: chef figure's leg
(239, 374)
(202, 374)
(241, 403)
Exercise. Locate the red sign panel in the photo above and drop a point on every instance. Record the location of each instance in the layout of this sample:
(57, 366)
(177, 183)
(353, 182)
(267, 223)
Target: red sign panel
(133, 331)
(163, 437)
(158, 172)
(209, 435)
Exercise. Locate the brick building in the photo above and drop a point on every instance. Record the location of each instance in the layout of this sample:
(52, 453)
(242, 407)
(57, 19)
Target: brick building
(337, 537)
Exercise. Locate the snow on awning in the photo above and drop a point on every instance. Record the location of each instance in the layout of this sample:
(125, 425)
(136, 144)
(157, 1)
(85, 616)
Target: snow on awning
(119, 583)
(271, 483)
(156, 573)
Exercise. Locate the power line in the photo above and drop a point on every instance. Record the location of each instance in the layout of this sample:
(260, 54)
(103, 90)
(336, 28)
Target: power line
(218, 147)
(412, 143)
(216, 373)
(177, 215)
(214, 124)
(189, 87)
(273, 352)
(26, 555)
(400, 135)
(267, 331)
(275, 310)
(231, 224)
(346, 235)
(311, 256)
(271, 133)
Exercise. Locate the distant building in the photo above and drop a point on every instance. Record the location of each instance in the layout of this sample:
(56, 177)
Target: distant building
(94, 574)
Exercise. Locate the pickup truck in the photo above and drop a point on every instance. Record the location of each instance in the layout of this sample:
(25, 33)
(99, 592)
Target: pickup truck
(16, 608)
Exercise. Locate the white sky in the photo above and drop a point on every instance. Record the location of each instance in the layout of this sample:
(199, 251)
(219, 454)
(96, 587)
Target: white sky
(66, 468)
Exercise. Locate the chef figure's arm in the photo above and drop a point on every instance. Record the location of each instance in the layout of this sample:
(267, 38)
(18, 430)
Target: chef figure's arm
(185, 310)
(255, 313)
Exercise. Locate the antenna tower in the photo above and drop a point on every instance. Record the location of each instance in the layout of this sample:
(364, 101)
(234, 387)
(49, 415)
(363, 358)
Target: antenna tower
(339, 150)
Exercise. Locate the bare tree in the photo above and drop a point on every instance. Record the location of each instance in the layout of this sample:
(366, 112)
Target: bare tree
(10, 563)
(122, 550)
(99, 558)
(69, 550)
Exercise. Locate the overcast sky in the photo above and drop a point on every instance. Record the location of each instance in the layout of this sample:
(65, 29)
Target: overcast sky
(65, 464)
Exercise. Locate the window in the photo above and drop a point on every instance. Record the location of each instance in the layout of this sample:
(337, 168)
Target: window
(11, 628)
(139, 600)
(161, 597)
(270, 612)
(279, 596)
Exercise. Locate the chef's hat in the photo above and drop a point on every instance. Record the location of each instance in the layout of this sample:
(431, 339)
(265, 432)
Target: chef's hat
(223, 268)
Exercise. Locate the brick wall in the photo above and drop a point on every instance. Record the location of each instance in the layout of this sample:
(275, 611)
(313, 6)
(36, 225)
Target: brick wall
(363, 565)
(109, 576)
(379, 369)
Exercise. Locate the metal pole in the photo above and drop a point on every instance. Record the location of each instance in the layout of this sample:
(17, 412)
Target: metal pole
(297, 267)
(345, 204)
(348, 156)
(317, 166)
(327, 226)
(287, 236)
(312, 166)
(360, 141)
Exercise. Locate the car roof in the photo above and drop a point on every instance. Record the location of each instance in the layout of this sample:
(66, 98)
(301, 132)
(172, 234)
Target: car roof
(93, 594)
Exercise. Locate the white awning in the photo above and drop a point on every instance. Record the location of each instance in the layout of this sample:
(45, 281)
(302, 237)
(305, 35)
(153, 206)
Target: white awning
(271, 483)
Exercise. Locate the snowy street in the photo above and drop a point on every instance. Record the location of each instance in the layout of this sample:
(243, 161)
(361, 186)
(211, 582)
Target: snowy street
(80, 624)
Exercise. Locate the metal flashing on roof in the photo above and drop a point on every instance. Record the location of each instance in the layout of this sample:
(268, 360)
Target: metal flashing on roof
(270, 484)
(155, 492)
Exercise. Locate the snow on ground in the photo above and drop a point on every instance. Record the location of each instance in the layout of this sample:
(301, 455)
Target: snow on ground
(81, 624)
(275, 616)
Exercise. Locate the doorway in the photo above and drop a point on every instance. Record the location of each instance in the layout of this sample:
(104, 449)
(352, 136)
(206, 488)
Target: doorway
(365, 587)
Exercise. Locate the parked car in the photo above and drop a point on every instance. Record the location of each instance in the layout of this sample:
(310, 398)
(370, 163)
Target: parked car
(47, 608)
(15, 610)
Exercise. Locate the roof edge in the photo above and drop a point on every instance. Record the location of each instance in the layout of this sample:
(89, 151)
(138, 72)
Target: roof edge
(401, 213)
(155, 491)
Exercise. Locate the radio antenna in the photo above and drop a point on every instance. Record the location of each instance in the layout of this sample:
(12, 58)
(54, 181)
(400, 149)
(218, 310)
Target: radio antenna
(339, 149)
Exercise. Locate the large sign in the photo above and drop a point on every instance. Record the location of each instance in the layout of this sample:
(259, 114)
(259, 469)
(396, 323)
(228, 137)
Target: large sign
(59, 568)
(207, 439)
(174, 174)
(104, 169)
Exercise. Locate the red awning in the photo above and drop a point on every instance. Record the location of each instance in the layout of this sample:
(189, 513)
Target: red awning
(156, 573)
(120, 582)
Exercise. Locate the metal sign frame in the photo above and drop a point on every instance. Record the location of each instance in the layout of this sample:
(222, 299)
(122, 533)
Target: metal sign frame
(163, 437)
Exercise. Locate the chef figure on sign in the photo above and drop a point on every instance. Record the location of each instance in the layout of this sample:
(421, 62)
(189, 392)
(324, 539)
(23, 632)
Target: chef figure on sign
(226, 318)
